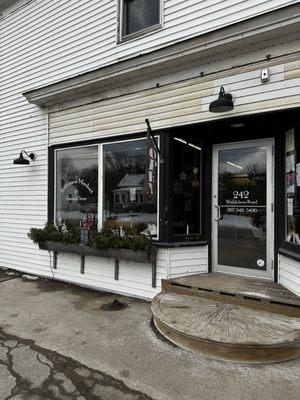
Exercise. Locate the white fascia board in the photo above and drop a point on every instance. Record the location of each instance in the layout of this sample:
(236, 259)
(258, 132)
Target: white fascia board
(256, 30)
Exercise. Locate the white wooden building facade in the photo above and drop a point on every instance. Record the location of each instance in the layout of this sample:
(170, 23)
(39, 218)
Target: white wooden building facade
(70, 80)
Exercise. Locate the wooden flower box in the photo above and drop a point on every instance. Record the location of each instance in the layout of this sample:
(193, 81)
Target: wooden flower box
(116, 254)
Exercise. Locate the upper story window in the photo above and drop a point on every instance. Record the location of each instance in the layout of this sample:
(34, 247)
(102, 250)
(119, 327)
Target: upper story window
(138, 17)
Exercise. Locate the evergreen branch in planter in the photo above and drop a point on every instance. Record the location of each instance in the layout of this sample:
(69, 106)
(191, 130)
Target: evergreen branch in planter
(122, 239)
(120, 244)
(55, 233)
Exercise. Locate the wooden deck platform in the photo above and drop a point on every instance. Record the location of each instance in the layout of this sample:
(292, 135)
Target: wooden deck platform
(229, 317)
(248, 292)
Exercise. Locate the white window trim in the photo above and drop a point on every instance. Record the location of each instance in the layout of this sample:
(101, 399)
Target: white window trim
(101, 182)
(122, 37)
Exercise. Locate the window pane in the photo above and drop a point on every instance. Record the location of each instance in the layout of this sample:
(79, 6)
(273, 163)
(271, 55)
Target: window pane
(126, 203)
(292, 179)
(186, 188)
(140, 14)
(76, 185)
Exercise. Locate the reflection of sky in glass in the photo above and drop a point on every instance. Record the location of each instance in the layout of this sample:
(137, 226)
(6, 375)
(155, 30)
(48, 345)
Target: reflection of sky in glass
(84, 157)
(242, 161)
(131, 153)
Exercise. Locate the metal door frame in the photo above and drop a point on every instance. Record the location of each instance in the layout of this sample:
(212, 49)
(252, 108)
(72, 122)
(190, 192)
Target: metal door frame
(269, 273)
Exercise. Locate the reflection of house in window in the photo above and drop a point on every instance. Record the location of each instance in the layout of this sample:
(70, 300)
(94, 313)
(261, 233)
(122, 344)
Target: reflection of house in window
(130, 190)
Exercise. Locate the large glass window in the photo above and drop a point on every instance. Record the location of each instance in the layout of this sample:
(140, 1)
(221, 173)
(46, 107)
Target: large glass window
(292, 181)
(139, 15)
(77, 185)
(186, 187)
(130, 186)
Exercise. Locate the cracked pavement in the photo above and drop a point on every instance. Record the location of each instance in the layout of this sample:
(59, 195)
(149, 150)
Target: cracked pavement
(28, 371)
(57, 343)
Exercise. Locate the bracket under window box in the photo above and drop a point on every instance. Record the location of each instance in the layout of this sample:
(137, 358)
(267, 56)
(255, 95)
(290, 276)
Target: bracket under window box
(117, 254)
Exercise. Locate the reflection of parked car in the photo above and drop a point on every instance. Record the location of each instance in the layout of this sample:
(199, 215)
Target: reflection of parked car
(140, 221)
(243, 224)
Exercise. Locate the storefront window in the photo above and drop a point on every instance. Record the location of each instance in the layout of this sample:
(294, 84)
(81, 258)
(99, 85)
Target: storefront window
(130, 186)
(77, 186)
(292, 179)
(186, 187)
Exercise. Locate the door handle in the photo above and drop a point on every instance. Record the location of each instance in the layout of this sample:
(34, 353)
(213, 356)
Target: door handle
(219, 217)
(166, 215)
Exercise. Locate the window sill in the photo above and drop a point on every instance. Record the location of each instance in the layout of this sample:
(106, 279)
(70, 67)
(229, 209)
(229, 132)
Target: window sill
(290, 250)
(137, 35)
(182, 244)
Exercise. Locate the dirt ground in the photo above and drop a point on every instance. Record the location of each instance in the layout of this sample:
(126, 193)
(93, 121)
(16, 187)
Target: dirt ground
(56, 343)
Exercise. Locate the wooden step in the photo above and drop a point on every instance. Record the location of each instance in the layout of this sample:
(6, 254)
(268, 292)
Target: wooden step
(252, 293)
(224, 331)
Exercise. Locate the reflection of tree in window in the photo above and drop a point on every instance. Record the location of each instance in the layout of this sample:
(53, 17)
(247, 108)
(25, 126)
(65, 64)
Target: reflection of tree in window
(240, 177)
(77, 184)
(124, 177)
(243, 183)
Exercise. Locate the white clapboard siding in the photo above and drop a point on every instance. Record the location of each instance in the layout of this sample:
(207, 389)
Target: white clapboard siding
(179, 103)
(289, 274)
(53, 40)
(47, 41)
(135, 279)
(184, 261)
(23, 189)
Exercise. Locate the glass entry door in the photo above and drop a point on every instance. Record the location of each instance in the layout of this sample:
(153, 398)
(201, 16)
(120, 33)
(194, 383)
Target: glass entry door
(242, 212)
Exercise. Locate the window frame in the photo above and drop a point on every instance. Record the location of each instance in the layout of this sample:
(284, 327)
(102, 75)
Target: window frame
(55, 175)
(122, 37)
(168, 200)
(183, 236)
(101, 182)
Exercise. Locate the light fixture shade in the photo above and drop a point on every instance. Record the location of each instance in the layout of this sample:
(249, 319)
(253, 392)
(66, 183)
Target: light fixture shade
(24, 161)
(21, 160)
(223, 104)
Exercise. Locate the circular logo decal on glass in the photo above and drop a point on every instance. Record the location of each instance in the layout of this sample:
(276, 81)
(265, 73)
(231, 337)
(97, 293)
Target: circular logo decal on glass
(260, 263)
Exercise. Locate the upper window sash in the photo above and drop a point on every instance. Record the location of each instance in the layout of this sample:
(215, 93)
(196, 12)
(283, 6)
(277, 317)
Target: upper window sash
(124, 33)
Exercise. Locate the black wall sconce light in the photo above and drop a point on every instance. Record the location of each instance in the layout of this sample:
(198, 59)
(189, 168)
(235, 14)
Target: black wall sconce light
(24, 161)
(223, 104)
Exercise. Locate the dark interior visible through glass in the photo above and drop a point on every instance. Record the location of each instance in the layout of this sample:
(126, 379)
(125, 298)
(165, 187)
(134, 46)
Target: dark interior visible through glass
(292, 181)
(242, 201)
(140, 14)
(186, 187)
